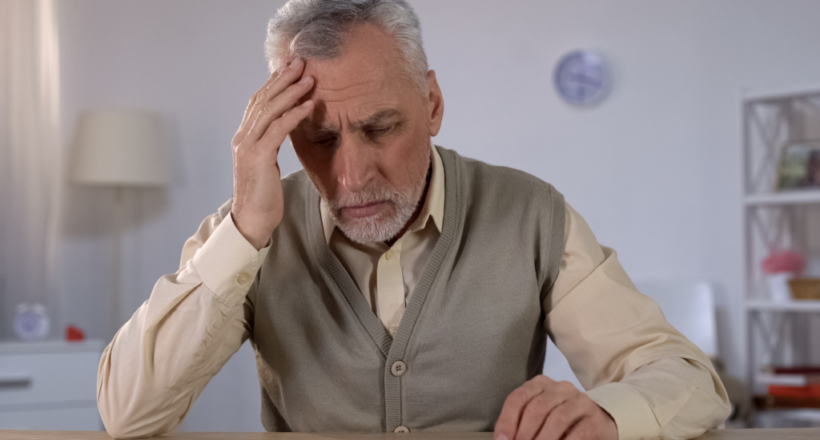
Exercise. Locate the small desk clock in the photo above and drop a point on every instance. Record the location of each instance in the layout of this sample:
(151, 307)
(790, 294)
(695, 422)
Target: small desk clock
(582, 78)
(31, 322)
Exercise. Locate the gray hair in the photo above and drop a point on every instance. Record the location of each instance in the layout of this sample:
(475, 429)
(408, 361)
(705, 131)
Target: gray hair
(316, 29)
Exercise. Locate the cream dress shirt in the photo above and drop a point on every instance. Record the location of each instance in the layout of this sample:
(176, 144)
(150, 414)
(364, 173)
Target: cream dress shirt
(654, 385)
(387, 275)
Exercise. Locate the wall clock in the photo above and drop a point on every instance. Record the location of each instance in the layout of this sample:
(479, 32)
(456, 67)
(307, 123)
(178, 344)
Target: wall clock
(582, 78)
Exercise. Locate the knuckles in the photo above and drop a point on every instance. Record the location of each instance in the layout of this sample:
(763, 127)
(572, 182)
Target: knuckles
(588, 405)
(562, 415)
(518, 397)
(566, 387)
(543, 380)
(276, 124)
(591, 420)
(539, 405)
(266, 109)
(262, 98)
(515, 399)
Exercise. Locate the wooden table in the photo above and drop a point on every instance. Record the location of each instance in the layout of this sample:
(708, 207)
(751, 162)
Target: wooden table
(727, 434)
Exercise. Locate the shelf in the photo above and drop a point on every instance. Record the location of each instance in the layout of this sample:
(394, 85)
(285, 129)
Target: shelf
(805, 414)
(780, 93)
(797, 306)
(771, 417)
(784, 198)
(773, 220)
(789, 380)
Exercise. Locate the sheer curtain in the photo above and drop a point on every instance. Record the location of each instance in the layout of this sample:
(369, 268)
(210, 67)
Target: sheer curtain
(30, 159)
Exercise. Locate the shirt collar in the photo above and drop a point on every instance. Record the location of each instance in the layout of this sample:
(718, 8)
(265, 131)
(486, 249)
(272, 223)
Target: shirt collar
(433, 208)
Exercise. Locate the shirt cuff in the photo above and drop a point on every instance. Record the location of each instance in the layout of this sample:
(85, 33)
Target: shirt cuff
(629, 409)
(227, 263)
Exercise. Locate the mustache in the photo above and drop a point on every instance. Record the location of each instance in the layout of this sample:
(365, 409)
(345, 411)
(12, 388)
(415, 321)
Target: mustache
(368, 195)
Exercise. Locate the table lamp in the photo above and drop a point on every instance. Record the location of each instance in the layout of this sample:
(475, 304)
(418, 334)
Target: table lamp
(120, 149)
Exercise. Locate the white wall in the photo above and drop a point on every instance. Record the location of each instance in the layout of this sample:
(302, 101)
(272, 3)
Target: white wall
(655, 170)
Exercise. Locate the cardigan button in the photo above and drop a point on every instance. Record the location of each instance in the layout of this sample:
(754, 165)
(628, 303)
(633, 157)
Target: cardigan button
(398, 369)
(401, 430)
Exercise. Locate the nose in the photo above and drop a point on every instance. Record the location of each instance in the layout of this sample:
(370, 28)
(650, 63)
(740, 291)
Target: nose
(354, 164)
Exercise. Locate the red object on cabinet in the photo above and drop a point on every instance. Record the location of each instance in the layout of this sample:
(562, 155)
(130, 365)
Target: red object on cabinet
(73, 333)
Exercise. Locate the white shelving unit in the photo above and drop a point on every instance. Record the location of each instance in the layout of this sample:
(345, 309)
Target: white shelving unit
(778, 333)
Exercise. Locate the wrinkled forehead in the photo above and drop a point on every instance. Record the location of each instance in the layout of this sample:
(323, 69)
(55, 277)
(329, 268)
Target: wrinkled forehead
(343, 102)
(343, 78)
(366, 78)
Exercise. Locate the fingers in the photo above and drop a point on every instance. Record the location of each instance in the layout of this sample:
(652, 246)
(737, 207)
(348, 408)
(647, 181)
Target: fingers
(528, 411)
(279, 80)
(249, 108)
(583, 431)
(538, 410)
(278, 129)
(507, 424)
(561, 419)
(276, 107)
(289, 74)
(247, 120)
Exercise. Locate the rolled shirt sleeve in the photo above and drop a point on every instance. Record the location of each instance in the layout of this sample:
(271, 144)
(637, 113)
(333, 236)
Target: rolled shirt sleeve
(652, 380)
(194, 321)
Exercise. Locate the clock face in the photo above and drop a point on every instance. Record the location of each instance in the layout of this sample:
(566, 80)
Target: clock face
(31, 322)
(582, 78)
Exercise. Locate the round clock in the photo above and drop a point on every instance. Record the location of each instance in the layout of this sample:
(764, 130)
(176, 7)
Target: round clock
(582, 78)
(31, 322)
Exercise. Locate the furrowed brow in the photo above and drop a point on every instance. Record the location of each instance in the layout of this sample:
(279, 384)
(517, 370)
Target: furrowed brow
(316, 130)
(375, 118)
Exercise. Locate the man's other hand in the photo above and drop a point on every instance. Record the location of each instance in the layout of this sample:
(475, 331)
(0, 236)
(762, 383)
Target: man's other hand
(544, 409)
(272, 113)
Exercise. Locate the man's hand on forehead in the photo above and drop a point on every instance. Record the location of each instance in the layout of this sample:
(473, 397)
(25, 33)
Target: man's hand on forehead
(272, 113)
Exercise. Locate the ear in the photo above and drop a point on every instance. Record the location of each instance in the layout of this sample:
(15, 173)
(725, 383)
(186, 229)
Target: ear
(435, 104)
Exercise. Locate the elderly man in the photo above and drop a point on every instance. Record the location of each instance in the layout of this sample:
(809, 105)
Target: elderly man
(393, 285)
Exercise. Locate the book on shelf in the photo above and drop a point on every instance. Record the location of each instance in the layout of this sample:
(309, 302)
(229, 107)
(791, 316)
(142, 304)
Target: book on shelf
(801, 383)
(777, 402)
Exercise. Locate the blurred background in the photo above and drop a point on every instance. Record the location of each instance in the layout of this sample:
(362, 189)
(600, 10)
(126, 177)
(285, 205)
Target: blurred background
(656, 169)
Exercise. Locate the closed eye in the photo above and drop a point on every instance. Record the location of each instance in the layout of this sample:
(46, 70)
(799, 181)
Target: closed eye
(327, 142)
(378, 131)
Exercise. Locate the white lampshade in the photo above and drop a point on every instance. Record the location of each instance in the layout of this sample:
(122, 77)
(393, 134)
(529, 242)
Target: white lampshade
(120, 148)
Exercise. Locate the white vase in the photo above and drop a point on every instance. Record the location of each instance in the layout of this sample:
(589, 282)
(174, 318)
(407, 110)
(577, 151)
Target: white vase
(779, 290)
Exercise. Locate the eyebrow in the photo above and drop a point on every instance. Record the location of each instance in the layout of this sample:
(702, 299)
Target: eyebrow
(374, 119)
(369, 121)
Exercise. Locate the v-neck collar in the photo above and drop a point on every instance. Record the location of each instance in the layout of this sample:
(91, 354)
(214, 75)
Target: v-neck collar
(336, 275)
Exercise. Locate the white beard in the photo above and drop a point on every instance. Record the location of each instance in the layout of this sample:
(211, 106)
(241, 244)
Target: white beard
(383, 226)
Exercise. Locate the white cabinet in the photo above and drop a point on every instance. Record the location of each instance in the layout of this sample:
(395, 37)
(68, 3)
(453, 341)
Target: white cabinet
(49, 385)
